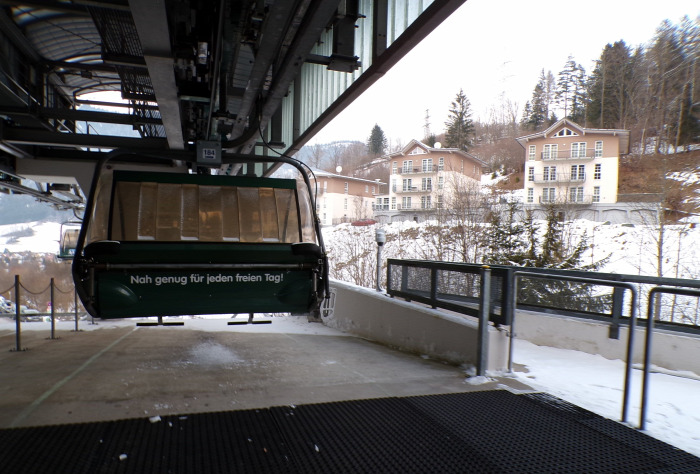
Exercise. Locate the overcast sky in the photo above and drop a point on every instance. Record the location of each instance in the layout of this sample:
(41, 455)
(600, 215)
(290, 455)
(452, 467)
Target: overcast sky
(493, 49)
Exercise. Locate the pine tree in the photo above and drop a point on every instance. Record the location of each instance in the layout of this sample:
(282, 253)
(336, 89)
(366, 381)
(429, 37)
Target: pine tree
(539, 105)
(612, 86)
(505, 236)
(460, 126)
(556, 254)
(571, 90)
(376, 143)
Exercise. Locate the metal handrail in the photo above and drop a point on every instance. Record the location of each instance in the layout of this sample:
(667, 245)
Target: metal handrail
(596, 281)
(647, 344)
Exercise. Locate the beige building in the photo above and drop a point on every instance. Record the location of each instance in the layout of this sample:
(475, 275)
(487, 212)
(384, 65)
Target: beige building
(423, 180)
(573, 165)
(343, 198)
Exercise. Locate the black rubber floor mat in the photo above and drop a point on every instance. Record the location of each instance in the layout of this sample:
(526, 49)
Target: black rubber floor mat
(493, 431)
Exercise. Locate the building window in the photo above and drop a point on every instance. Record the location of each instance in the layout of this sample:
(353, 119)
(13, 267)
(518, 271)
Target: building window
(550, 152)
(346, 187)
(565, 132)
(598, 171)
(549, 194)
(394, 169)
(407, 166)
(578, 173)
(425, 202)
(550, 173)
(596, 194)
(530, 195)
(345, 203)
(373, 190)
(393, 185)
(441, 182)
(406, 202)
(531, 153)
(576, 194)
(578, 150)
(426, 184)
(598, 149)
(366, 188)
(427, 165)
(531, 174)
(393, 203)
(407, 184)
(439, 202)
(441, 163)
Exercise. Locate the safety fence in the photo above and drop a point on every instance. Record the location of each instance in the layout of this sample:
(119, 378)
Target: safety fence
(494, 293)
(456, 286)
(14, 307)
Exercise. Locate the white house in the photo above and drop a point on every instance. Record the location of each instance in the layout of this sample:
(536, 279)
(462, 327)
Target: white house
(344, 198)
(572, 165)
(423, 179)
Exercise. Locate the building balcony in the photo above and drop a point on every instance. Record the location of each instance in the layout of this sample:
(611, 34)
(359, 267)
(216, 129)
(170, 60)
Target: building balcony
(566, 200)
(416, 207)
(413, 189)
(428, 170)
(569, 156)
(562, 178)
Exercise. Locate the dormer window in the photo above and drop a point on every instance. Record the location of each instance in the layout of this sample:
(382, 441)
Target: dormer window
(417, 151)
(566, 132)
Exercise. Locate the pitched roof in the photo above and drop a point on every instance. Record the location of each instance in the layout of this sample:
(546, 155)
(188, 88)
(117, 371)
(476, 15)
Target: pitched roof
(565, 122)
(415, 143)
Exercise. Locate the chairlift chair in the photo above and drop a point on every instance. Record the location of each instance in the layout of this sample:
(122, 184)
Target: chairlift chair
(165, 243)
(70, 232)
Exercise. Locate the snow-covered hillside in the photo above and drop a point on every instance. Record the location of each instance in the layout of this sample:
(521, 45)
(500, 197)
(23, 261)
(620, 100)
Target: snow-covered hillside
(631, 250)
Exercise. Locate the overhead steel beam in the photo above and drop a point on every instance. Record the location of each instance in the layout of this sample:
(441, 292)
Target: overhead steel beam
(16, 136)
(317, 18)
(76, 7)
(40, 195)
(17, 38)
(78, 115)
(151, 20)
(273, 34)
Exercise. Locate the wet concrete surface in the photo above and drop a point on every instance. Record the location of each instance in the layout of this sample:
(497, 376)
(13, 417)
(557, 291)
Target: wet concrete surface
(128, 372)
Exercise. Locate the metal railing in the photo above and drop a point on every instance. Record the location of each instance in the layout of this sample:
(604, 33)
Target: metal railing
(21, 312)
(493, 293)
(588, 154)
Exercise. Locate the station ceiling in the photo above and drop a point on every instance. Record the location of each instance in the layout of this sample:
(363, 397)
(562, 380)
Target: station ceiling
(239, 74)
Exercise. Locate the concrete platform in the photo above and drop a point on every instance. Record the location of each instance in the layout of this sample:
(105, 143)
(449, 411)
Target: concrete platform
(120, 371)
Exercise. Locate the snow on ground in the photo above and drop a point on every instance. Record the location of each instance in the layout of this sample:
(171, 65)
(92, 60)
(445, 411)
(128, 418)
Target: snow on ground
(596, 384)
(44, 239)
(589, 381)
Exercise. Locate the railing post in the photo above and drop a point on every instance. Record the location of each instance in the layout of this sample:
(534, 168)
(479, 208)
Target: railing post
(506, 299)
(618, 300)
(433, 287)
(18, 324)
(75, 303)
(53, 311)
(404, 280)
(484, 310)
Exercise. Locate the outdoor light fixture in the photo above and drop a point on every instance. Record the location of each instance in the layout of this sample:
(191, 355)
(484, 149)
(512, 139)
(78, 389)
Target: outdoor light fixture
(380, 238)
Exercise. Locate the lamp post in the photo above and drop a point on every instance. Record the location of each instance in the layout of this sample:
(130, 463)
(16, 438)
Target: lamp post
(380, 238)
